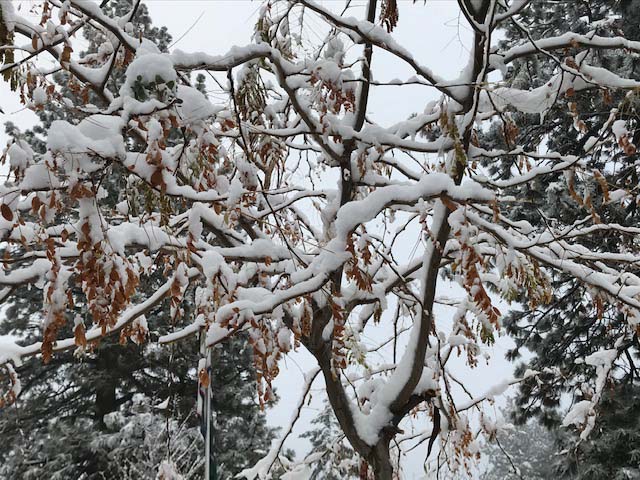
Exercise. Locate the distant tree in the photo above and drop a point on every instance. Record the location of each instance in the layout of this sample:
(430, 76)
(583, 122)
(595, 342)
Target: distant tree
(527, 451)
(568, 335)
(577, 322)
(532, 451)
(337, 459)
(613, 450)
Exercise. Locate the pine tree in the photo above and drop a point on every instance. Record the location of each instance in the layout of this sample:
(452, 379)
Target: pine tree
(337, 459)
(532, 451)
(613, 449)
(92, 414)
(526, 451)
(576, 323)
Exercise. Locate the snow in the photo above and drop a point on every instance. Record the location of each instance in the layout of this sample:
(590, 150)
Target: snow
(236, 190)
(39, 96)
(149, 235)
(213, 263)
(148, 67)
(257, 249)
(235, 56)
(429, 186)
(284, 339)
(168, 471)
(541, 99)
(590, 143)
(194, 105)
(602, 358)
(302, 472)
(96, 134)
(8, 14)
(37, 270)
(10, 351)
(619, 129)
(457, 340)
(38, 177)
(578, 414)
(163, 405)
(215, 334)
(498, 389)
(154, 131)
(19, 158)
(565, 40)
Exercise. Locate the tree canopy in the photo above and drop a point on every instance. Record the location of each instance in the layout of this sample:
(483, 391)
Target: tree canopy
(285, 214)
(96, 415)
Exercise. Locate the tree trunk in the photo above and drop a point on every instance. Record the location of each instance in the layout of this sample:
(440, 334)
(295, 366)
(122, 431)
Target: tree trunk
(380, 460)
(106, 401)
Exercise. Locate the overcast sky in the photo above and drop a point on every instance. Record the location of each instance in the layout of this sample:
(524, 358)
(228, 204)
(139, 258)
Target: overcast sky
(433, 32)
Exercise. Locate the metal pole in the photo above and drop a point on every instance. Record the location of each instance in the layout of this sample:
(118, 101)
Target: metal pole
(204, 402)
(207, 439)
(211, 461)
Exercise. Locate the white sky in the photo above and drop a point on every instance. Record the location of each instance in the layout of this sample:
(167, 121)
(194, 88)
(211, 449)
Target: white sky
(436, 36)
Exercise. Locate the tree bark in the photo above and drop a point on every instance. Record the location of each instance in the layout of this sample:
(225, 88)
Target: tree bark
(106, 387)
(380, 460)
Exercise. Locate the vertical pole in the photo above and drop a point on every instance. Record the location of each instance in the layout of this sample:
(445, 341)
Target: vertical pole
(211, 461)
(207, 419)
(204, 409)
